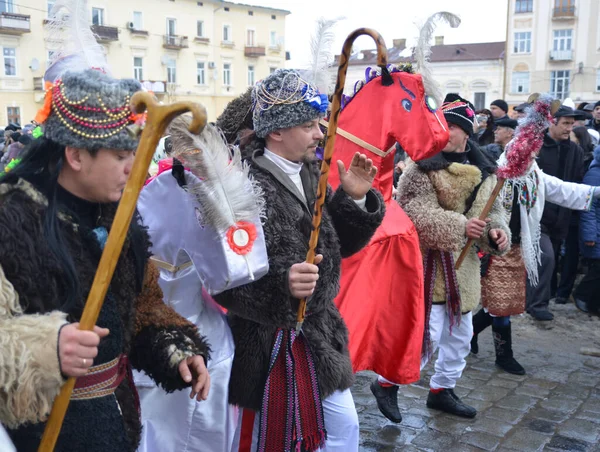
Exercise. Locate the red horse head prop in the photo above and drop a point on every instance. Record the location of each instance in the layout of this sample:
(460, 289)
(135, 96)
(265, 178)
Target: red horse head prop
(382, 114)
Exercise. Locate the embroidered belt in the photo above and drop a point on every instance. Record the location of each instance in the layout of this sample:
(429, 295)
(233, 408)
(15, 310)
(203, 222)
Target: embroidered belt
(101, 380)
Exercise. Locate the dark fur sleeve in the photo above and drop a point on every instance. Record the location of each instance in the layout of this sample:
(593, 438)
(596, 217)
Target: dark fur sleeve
(354, 226)
(162, 337)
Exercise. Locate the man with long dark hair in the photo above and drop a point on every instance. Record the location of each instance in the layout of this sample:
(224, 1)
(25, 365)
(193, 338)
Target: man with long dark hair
(56, 209)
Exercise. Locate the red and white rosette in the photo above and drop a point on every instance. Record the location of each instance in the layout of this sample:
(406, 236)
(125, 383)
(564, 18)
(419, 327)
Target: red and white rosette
(241, 237)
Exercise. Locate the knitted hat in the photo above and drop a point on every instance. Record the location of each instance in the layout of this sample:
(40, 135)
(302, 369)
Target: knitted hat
(459, 111)
(502, 105)
(90, 110)
(283, 100)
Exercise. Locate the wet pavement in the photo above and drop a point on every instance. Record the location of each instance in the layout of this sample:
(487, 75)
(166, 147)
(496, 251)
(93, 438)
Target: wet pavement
(555, 407)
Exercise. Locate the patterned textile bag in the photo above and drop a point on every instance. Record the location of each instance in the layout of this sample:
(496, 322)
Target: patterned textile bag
(503, 286)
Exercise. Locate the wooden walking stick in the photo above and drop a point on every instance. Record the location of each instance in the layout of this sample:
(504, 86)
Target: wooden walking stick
(520, 152)
(157, 121)
(331, 134)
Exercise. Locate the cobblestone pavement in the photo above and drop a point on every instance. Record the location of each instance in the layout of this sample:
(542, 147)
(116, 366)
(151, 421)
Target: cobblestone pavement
(555, 407)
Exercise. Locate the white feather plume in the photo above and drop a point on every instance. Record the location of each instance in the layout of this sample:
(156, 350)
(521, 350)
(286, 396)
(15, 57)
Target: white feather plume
(70, 38)
(226, 194)
(322, 55)
(423, 51)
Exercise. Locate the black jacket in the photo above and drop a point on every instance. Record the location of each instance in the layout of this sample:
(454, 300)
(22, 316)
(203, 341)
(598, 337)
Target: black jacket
(564, 160)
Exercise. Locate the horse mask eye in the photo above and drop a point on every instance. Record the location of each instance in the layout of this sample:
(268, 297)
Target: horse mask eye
(407, 104)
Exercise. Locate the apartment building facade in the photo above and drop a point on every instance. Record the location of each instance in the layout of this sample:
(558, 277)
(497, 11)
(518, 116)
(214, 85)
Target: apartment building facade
(206, 51)
(553, 46)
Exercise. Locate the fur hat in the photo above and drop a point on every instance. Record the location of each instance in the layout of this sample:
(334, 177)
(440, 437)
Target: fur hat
(283, 100)
(501, 104)
(459, 111)
(506, 122)
(90, 110)
(236, 116)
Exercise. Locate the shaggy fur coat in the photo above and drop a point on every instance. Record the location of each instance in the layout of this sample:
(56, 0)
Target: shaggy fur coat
(256, 310)
(436, 195)
(154, 336)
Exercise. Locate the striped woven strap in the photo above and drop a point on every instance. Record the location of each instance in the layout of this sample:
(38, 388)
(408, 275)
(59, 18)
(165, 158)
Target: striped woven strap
(101, 380)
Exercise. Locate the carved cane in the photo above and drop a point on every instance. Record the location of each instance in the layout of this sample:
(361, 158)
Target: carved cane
(157, 121)
(331, 134)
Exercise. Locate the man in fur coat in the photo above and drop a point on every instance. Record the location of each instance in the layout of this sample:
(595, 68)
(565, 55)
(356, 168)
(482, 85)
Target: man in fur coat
(56, 209)
(444, 197)
(294, 386)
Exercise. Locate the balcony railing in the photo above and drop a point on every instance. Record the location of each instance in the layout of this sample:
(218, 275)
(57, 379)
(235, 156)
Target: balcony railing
(175, 42)
(105, 34)
(561, 55)
(14, 24)
(254, 51)
(564, 12)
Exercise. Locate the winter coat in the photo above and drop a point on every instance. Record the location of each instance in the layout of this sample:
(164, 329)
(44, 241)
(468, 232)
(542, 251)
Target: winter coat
(589, 225)
(493, 151)
(564, 160)
(153, 336)
(435, 194)
(258, 309)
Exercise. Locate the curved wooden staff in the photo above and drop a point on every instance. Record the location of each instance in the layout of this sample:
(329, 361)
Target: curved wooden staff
(157, 121)
(331, 134)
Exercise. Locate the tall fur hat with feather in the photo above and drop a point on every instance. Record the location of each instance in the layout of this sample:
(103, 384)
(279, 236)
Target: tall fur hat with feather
(84, 106)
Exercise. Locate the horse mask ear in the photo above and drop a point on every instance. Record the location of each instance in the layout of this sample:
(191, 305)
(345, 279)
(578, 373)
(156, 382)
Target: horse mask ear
(386, 77)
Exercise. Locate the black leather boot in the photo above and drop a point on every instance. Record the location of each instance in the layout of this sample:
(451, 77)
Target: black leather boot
(481, 321)
(504, 353)
(387, 401)
(446, 400)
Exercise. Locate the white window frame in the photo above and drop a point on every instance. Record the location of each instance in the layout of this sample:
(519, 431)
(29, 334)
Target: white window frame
(227, 74)
(251, 75)
(523, 6)
(7, 115)
(172, 70)
(49, 55)
(251, 32)
(563, 76)
(229, 33)
(168, 31)
(479, 105)
(200, 28)
(138, 71)
(138, 24)
(522, 42)
(102, 16)
(520, 81)
(597, 80)
(562, 39)
(201, 73)
(272, 69)
(9, 6)
(10, 57)
(273, 39)
(49, 6)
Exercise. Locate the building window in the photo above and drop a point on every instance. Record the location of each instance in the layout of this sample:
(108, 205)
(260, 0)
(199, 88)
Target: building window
(7, 6)
(171, 27)
(50, 5)
(522, 42)
(138, 24)
(138, 71)
(227, 74)
(272, 69)
(200, 73)
(97, 16)
(524, 6)
(479, 101)
(250, 38)
(171, 71)
(562, 39)
(200, 28)
(520, 83)
(10, 61)
(50, 58)
(273, 17)
(13, 115)
(597, 79)
(273, 39)
(250, 75)
(560, 83)
(227, 33)
(564, 7)
(251, 13)
(226, 9)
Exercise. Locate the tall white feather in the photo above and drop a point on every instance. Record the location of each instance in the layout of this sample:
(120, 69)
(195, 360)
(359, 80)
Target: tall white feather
(322, 55)
(226, 194)
(423, 51)
(69, 36)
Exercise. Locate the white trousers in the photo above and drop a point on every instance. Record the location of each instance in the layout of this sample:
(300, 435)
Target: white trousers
(341, 423)
(453, 349)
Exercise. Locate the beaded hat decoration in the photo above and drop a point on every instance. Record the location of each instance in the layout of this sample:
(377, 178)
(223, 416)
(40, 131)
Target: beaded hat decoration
(459, 111)
(90, 110)
(283, 100)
